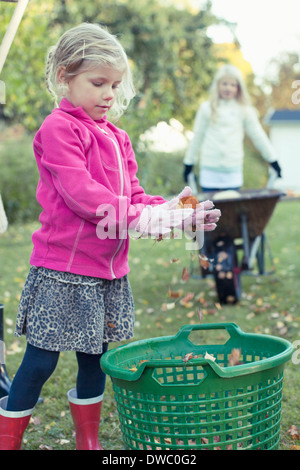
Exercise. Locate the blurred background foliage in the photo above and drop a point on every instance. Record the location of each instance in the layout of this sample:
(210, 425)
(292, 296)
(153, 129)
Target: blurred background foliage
(173, 61)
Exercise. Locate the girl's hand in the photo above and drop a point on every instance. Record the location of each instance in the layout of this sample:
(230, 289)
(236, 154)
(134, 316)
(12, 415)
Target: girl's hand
(204, 218)
(156, 221)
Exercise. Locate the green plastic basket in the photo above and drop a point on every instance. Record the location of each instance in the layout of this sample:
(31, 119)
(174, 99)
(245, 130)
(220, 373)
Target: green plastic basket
(166, 402)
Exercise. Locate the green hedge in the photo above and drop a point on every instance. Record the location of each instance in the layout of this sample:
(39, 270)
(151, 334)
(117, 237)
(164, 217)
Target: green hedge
(18, 180)
(159, 173)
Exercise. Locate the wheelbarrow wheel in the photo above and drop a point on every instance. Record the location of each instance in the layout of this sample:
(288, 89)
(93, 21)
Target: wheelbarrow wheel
(227, 274)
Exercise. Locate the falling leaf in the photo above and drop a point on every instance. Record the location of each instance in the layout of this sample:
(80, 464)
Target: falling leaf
(234, 358)
(186, 301)
(200, 314)
(185, 275)
(111, 325)
(204, 261)
(175, 294)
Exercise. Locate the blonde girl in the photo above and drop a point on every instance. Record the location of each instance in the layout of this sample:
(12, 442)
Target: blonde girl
(219, 130)
(77, 296)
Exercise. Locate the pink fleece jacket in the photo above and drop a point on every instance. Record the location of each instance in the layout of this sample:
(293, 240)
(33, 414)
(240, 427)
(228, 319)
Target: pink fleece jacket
(89, 194)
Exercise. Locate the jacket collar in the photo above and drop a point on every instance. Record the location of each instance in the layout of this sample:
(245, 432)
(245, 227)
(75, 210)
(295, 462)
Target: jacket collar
(79, 112)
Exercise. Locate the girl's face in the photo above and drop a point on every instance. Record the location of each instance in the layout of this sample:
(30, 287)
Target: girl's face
(94, 90)
(228, 88)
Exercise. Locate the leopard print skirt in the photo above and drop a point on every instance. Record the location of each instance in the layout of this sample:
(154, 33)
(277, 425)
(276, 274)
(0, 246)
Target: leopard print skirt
(68, 312)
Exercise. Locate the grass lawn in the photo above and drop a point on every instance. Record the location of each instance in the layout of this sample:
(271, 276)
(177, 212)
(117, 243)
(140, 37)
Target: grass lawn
(269, 304)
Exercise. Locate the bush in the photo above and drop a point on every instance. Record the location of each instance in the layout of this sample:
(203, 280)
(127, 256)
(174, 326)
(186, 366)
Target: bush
(162, 173)
(18, 179)
(159, 173)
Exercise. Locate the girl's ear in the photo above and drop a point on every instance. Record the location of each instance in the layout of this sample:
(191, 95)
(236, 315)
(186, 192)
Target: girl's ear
(61, 75)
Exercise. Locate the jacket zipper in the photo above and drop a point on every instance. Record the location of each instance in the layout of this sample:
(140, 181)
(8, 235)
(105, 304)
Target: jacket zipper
(121, 191)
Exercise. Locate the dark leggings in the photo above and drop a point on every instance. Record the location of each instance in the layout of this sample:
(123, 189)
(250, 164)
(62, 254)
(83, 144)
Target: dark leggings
(38, 365)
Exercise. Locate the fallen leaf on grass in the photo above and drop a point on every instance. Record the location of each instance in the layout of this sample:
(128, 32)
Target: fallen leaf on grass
(62, 441)
(45, 447)
(167, 306)
(191, 314)
(36, 420)
(294, 432)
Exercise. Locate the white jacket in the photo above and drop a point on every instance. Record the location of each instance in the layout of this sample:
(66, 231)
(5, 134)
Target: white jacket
(221, 141)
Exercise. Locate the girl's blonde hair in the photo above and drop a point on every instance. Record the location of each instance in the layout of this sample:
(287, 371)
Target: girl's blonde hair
(82, 48)
(242, 94)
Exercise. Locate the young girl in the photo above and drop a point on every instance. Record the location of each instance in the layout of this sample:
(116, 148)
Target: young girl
(77, 295)
(219, 130)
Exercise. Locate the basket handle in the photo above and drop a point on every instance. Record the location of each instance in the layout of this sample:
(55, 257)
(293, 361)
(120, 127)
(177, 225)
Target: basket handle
(233, 330)
(146, 374)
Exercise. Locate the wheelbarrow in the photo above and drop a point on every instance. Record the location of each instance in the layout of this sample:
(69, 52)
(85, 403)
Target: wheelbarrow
(245, 215)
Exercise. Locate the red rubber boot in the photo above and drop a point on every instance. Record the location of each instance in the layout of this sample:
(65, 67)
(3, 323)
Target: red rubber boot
(12, 426)
(86, 417)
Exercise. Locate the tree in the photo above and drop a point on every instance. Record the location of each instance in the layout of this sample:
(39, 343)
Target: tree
(23, 73)
(170, 53)
(284, 71)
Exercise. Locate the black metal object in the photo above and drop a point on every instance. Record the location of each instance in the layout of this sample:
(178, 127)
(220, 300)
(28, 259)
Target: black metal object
(226, 271)
(5, 382)
(240, 229)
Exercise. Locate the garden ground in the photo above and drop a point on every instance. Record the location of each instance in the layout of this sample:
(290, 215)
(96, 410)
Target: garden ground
(269, 305)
